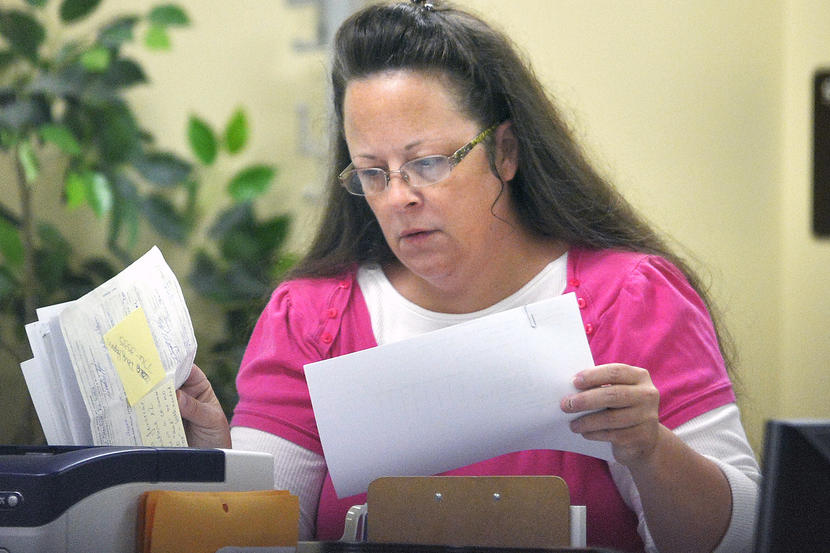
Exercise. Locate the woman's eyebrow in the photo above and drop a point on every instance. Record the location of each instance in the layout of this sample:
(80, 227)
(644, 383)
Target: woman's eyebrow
(370, 157)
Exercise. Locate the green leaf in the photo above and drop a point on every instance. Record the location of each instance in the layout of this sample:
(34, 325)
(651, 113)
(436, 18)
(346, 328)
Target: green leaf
(37, 3)
(271, 234)
(251, 182)
(202, 140)
(156, 38)
(163, 169)
(165, 219)
(69, 52)
(206, 279)
(23, 113)
(124, 72)
(125, 211)
(23, 33)
(73, 10)
(7, 57)
(191, 210)
(69, 82)
(236, 132)
(74, 188)
(118, 32)
(61, 137)
(99, 268)
(168, 15)
(7, 139)
(8, 285)
(52, 240)
(283, 265)
(11, 246)
(98, 192)
(243, 284)
(52, 259)
(96, 60)
(240, 246)
(234, 217)
(116, 132)
(28, 160)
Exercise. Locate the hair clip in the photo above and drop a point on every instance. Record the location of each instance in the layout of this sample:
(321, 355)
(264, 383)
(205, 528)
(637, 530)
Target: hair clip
(426, 4)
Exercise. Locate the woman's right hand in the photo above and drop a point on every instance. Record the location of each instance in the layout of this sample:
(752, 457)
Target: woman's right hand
(205, 424)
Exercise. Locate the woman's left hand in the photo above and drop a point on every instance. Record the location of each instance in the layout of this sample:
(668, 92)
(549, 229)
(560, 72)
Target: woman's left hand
(627, 403)
(204, 421)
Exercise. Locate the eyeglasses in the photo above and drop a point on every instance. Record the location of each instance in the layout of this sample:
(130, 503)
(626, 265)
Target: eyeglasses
(422, 171)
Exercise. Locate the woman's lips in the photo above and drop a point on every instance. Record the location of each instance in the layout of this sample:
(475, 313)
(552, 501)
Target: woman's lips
(416, 235)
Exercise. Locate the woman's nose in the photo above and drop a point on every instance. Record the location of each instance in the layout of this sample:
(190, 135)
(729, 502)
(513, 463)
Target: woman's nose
(399, 191)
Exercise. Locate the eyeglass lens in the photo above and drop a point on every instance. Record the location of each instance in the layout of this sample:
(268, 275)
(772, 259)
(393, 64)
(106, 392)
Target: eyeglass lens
(417, 172)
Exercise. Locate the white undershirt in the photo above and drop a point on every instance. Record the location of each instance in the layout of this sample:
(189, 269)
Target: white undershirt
(717, 434)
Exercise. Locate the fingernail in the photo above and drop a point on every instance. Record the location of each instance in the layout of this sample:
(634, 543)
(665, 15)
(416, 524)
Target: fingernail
(579, 380)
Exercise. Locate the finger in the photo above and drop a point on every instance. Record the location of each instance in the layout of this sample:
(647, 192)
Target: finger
(185, 404)
(610, 419)
(198, 412)
(610, 397)
(621, 437)
(194, 376)
(198, 385)
(612, 373)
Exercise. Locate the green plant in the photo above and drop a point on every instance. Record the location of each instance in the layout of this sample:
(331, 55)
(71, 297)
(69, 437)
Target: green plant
(245, 255)
(66, 100)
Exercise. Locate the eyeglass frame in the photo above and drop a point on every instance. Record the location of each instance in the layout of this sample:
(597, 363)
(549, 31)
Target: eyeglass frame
(350, 172)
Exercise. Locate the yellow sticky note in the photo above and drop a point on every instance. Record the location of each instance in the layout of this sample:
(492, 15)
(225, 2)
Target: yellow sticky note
(134, 354)
(159, 419)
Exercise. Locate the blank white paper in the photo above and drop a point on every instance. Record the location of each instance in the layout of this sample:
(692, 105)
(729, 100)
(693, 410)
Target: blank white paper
(453, 397)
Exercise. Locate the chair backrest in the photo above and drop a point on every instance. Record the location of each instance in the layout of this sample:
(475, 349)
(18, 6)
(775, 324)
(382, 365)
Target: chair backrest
(484, 511)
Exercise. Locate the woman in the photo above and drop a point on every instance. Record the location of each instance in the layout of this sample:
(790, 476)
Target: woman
(456, 191)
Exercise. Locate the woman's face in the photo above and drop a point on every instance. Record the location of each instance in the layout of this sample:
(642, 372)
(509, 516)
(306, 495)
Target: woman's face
(445, 233)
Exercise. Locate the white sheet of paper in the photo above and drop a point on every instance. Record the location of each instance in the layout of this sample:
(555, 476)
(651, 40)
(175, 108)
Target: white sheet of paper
(452, 397)
(55, 359)
(148, 283)
(47, 401)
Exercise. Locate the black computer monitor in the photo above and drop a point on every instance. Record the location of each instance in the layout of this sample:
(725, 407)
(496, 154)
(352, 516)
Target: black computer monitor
(794, 507)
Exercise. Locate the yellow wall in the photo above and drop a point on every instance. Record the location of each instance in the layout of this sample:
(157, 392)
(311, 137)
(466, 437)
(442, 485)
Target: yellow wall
(804, 363)
(699, 111)
(680, 103)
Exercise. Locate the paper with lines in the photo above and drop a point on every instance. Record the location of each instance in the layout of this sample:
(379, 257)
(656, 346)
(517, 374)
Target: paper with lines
(117, 354)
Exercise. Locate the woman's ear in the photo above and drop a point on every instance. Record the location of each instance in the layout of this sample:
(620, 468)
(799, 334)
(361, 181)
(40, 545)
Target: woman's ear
(507, 151)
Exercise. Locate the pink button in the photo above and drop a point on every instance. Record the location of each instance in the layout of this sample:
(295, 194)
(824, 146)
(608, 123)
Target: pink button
(326, 338)
(331, 313)
(581, 303)
(589, 329)
(344, 284)
(574, 283)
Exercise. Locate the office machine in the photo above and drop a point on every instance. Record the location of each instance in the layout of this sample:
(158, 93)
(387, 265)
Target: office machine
(794, 506)
(68, 498)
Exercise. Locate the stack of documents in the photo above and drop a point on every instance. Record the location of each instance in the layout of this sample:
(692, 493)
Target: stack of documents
(106, 366)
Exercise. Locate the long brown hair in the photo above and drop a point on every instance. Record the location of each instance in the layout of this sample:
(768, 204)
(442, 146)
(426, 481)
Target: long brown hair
(556, 192)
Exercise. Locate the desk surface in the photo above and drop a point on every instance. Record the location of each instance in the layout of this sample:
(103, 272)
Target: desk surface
(369, 547)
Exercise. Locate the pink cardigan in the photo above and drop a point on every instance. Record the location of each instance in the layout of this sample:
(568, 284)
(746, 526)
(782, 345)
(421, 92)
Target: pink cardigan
(637, 309)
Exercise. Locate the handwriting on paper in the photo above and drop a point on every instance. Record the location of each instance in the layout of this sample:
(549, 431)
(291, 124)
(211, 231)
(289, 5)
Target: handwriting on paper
(134, 354)
(159, 421)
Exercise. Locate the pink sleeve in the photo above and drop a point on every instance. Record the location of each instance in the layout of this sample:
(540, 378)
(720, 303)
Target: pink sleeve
(658, 322)
(273, 395)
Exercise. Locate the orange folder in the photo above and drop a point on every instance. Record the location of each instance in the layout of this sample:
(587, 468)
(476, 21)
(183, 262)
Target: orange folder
(202, 522)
